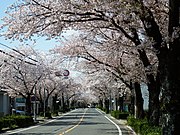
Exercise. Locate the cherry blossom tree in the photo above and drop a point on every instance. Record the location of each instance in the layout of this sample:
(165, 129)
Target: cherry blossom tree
(20, 75)
(25, 71)
(100, 58)
(98, 15)
(101, 18)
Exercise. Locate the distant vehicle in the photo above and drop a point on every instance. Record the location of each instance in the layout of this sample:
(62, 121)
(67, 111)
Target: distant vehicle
(19, 112)
(91, 106)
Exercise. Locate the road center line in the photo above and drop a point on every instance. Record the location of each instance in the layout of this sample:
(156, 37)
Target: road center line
(73, 127)
(119, 130)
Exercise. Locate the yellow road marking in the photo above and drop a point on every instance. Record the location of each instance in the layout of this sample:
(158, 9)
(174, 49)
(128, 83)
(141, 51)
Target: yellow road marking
(73, 127)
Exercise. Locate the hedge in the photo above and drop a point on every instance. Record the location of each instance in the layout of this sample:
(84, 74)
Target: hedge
(104, 109)
(142, 127)
(119, 114)
(1, 124)
(15, 121)
(47, 115)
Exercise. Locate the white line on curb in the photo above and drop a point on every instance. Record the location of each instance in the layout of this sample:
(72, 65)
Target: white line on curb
(131, 130)
(20, 130)
(119, 130)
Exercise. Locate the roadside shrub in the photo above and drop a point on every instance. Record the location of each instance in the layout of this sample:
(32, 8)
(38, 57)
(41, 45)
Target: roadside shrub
(23, 121)
(8, 122)
(41, 114)
(100, 107)
(72, 108)
(14, 121)
(55, 113)
(119, 115)
(103, 109)
(19, 121)
(131, 120)
(48, 115)
(29, 121)
(1, 124)
(142, 127)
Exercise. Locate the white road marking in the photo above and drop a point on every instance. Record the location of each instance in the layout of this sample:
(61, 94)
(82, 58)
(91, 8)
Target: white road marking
(73, 127)
(119, 130)
(10, 132)
(131, 130)
(99, 111)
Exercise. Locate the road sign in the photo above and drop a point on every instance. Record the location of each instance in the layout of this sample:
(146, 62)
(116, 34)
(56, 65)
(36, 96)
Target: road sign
(66, 72)
(58, 73)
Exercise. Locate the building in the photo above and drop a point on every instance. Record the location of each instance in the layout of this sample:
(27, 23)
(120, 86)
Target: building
(4, 103)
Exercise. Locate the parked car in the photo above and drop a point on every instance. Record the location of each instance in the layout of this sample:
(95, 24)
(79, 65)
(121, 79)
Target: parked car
(19, 112)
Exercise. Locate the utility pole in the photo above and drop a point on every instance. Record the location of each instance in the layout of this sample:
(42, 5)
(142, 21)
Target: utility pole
(44, 102)
(35, 94)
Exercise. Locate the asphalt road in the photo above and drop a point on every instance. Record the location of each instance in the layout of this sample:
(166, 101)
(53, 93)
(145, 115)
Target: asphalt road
(89, 121)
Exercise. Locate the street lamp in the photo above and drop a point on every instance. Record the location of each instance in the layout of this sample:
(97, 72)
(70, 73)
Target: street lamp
(64, 73)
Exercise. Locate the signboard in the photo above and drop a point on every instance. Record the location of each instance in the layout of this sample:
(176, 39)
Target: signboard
(66, 72)
(20, 100)
(58, 73)
(20, 105)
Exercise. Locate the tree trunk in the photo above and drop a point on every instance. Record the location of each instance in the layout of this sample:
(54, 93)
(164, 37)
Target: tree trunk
(139, 101)
(146, 16)
(62, 102)
(116, 103)
(131, 106)
(121, 104)
(171, 76)
(28, 104)
(68, 103)
(55, 105)
(171, 93)
(100, 104)
(154, 91)
(107, 105)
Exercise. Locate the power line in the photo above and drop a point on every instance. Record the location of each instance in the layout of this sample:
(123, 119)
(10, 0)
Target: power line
(18, 52)
(16, 57)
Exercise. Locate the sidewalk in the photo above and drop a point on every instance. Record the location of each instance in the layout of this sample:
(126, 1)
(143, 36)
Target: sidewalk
(42, 120)
(121, 123)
